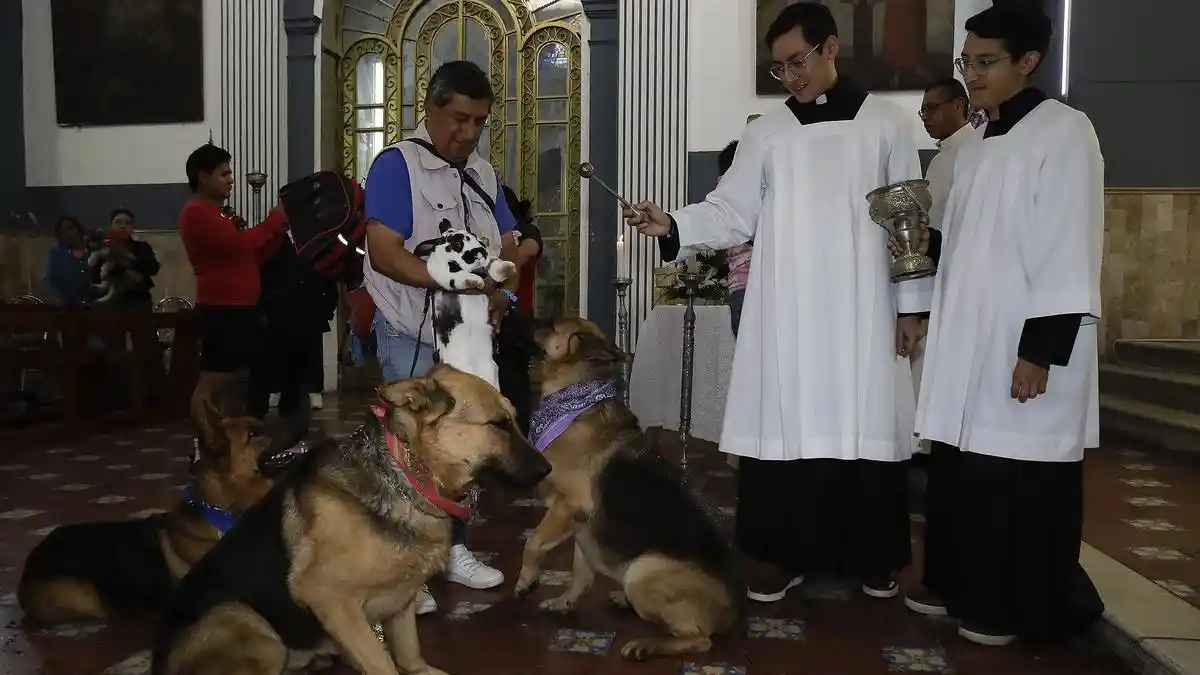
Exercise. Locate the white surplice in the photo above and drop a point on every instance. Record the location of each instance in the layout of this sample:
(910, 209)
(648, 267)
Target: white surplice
(940, 175)
(1022, 238)
(815, 371)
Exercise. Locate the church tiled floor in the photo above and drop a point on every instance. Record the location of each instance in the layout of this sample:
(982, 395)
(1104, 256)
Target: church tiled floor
(826, 629)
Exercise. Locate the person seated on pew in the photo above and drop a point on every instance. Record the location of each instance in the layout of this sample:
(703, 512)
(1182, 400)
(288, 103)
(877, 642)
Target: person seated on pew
(68, 277)
(145, 263)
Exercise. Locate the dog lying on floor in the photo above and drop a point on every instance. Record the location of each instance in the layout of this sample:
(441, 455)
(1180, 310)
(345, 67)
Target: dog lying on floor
(458, 261)
(624, 504)
(347, 538)
(95, 570)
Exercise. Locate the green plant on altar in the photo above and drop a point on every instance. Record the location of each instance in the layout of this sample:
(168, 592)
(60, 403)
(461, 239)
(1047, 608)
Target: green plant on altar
(713, 269)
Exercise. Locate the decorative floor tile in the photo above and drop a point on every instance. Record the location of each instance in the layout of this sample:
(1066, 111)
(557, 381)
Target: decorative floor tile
(111, 499)
(712, 669)
(153, 449)
(146, 513)
(527, 502)
(20, 514)
(1132, 454)
(118, 467)
(1144, 502)
(1159, 553)
(916, 660)
(13, 467)
(8, 599)
(1144, 483)
(153, 476)
(465, 609)
(1177, 587)
(86, 458)
(74, 631)
(554, 578)
(767, 628)
(43, 531)
(43, 476)
(728, 511)
(721, 473)
(582, 641)
(74, 487)
(485, 557)
(135, 664)
(58, 451)
(1152, 525)
(123, 441)
(826, 590)
(527, 533)
(1139, 467)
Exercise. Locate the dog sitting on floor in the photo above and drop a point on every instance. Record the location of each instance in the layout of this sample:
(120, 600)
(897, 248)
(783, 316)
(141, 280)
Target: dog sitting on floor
(458, 261)
(99, 569)
(624, 505)
(347, 539)
(112, 263)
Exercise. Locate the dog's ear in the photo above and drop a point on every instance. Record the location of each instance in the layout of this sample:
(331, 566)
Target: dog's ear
(210, 424)
(427, 247)
(588, 345)
(444, 226)
(421, 396)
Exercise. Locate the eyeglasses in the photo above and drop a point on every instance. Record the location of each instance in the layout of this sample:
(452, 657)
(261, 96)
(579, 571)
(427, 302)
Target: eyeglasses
(928, 110)
(980, 65)
(792, 68)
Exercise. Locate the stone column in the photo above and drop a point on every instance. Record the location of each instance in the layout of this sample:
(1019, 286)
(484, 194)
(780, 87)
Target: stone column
(602, 215)
(301, 27)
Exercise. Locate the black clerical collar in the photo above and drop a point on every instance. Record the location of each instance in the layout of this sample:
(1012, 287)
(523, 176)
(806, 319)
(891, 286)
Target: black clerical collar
(840, 102)
(1014, 110)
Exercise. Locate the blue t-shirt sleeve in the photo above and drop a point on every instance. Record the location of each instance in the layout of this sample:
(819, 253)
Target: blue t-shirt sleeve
(505, 220)
(389, 193)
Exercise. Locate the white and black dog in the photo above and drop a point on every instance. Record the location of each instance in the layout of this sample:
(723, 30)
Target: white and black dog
(459, 261)
(112, 264)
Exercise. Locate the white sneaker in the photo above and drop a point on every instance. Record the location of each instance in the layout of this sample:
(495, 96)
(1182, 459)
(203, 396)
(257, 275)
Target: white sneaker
(464, 568)
(425, 602)
(274, 400)
(316, 401)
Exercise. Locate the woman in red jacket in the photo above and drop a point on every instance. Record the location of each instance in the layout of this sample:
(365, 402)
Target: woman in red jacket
(225, 261)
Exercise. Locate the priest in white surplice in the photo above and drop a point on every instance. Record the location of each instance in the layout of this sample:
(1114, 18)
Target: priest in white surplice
(821, 402)
(1009, 390)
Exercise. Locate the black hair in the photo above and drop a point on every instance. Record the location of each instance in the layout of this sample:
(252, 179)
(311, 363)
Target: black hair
(814, 20)
(522, 209)
(459, 77)
(725, 158)
(121, 211)
(205, 159)
(954, 88)
(64, 221)
(1020, 29)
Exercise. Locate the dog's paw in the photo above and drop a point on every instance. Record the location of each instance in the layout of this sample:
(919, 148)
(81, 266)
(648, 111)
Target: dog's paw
(501, 270)
(560, 605)
(619, 599)
(525, 586)
(636, 650)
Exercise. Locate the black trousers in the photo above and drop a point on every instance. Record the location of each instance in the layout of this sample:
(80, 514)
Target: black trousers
(825, 516)
(283, 364)
(513, 358)
(1002, 544)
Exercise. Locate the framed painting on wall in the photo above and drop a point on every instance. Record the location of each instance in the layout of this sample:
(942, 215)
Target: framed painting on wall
(123, 62)
(885, 44)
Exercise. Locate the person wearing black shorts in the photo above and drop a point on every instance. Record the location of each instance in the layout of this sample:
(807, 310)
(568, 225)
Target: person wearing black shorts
(225, 260)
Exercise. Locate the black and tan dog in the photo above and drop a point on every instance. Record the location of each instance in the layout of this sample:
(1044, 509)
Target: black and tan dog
(94, 570)
(624, 505)
(347, 539)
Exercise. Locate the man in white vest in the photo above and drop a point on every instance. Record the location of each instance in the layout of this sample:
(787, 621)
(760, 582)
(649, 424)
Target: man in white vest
(412, 187)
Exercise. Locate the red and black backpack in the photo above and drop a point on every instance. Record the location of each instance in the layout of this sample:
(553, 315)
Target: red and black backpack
(325, 211)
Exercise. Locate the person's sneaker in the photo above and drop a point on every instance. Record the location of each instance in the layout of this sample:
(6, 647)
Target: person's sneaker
(425, 602)
(464, 568)
(273, 401)
(316, 401)
(921, 601)
(767, 583)
(882, 587)
(986, 637)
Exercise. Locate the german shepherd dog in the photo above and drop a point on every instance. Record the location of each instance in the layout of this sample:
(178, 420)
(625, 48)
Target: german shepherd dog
(347, 538)
(95, 570)
(626, 508)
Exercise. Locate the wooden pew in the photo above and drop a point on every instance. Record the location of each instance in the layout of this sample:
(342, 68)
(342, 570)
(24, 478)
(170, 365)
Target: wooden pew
(82, 351)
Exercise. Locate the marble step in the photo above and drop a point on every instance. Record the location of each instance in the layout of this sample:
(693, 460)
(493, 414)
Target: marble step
(1178, 355)
(1159, 386)
(1161, 427)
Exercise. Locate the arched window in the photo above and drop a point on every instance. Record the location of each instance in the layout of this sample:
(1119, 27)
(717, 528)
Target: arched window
(368, 112)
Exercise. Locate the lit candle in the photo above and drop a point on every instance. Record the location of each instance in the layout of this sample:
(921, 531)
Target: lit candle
(621, 263)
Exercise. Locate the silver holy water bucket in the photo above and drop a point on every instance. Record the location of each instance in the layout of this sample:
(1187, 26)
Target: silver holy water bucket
(903, 210)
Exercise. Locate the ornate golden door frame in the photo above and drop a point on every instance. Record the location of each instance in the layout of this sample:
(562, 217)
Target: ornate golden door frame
(535, 131)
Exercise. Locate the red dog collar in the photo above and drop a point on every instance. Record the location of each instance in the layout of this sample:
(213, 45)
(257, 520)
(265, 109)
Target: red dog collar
(424, 486)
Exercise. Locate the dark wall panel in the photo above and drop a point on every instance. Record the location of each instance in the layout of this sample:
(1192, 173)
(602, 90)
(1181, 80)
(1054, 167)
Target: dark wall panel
(12, 114)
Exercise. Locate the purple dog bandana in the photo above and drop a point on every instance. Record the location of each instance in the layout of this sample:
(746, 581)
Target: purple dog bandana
(556, 411)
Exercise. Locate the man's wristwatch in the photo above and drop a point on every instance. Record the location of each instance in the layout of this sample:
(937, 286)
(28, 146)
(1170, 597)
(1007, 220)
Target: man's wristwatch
(512, 297)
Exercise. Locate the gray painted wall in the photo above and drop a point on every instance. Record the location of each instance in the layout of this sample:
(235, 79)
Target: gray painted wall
(1135, 74)
(12, 115)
